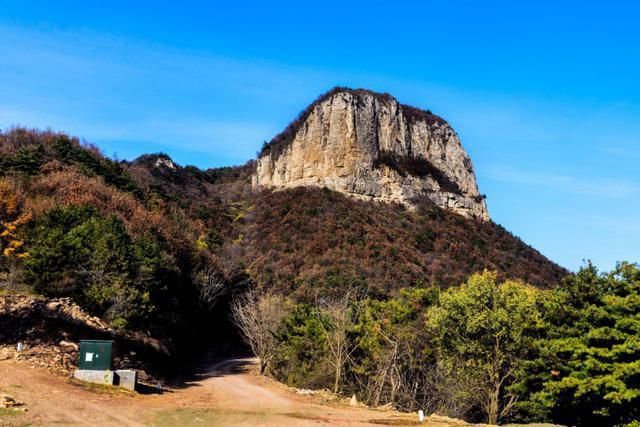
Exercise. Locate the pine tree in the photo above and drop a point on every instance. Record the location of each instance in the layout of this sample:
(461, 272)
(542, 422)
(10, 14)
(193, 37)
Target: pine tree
(588, 369)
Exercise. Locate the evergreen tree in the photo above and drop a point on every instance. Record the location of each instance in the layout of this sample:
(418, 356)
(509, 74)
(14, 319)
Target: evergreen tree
(588, 368)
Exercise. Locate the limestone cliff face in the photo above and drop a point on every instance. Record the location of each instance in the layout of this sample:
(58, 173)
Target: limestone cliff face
(370, 146)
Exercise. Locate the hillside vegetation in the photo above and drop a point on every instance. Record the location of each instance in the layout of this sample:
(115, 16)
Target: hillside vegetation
(310, 240)
(415, 308)
(487, 350)
(77, 224)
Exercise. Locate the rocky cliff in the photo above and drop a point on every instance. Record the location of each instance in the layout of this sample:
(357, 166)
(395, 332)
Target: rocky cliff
(370, 146)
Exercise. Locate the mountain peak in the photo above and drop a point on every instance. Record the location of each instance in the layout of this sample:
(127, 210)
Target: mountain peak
(370, 146)
(412, 113)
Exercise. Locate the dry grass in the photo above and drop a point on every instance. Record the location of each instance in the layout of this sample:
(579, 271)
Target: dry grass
(102, 388)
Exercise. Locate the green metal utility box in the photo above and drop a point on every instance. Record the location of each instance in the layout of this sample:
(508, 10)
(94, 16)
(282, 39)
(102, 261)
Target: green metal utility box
(96, 355)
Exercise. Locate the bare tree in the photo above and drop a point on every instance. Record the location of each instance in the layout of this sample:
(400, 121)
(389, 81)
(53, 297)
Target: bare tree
(211, 285)
(98, 271)
(337, 318)
(258, 316)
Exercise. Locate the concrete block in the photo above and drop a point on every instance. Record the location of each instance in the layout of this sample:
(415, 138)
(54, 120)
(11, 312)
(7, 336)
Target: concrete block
(126, 378)
(98, 377)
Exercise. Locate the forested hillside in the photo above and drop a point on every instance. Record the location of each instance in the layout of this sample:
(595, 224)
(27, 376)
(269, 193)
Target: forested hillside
(135, 241)
(139, 255)
(310, 240)
(417, 308)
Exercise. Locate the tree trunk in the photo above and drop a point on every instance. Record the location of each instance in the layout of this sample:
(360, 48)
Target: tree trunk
(492, 413)
(336, 384)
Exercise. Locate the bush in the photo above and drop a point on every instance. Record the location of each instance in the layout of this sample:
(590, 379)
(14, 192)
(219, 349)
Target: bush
(76, 252)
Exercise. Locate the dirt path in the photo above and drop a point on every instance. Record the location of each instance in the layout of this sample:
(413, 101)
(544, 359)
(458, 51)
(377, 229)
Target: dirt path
(52, 399)
(227, 393)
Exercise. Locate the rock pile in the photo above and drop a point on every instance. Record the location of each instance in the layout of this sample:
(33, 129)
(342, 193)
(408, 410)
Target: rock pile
(43, 331)
(46, 333)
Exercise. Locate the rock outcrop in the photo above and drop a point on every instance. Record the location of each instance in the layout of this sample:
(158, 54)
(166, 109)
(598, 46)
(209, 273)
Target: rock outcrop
(370, 146)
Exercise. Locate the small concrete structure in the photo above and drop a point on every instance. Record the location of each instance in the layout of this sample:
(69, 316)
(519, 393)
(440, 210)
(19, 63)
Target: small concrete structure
(97, 377)
(122, 378)
(126, 378)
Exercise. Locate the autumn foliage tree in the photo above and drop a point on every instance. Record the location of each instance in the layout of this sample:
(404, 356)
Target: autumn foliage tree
(12, 216)
(258, 317)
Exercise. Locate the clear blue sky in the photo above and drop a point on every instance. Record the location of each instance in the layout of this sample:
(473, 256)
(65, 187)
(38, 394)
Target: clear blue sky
(545, 96)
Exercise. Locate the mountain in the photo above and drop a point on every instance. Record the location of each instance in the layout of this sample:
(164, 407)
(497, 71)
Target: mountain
(369, 146)
(359, 191)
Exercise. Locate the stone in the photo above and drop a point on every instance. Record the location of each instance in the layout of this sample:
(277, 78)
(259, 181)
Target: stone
(97, 377)
(126, 378)
(7, 401)
(371, 147)
(353, 401)
(68, 344)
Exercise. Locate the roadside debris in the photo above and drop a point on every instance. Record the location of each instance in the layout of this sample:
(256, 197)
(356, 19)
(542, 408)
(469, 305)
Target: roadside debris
(353, 401)
(9, 402)
(306, 392)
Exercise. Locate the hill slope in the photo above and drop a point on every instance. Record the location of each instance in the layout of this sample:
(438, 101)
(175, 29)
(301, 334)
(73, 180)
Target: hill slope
(312, 240)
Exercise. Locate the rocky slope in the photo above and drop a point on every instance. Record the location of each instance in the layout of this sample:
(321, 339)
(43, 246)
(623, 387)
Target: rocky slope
(50, 329)
(370, 146)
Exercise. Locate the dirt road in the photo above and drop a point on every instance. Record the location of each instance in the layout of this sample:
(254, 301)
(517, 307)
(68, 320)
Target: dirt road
(227, 393)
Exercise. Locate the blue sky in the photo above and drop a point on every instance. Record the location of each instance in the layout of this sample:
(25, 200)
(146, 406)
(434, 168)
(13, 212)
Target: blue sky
(545, 96)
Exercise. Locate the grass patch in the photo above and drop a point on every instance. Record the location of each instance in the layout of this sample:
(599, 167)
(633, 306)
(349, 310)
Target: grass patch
(25, 291)
(101, 388)
(8, 412)
(201, 417)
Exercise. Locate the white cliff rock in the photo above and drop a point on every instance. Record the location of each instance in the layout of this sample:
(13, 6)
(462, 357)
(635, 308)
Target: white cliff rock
(371, 147)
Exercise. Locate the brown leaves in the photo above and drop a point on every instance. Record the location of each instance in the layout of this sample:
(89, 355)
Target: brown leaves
(12, 216)
(305, 238)
(66, 186)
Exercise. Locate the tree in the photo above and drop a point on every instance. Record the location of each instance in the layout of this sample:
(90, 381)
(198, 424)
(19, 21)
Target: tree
(211, 286)
(337, 319)
(73, 249)
(301, 359)
(258, 316)
(78, 253)
(393, 358)
(587, 370)
(12, 216)
(487, 330)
